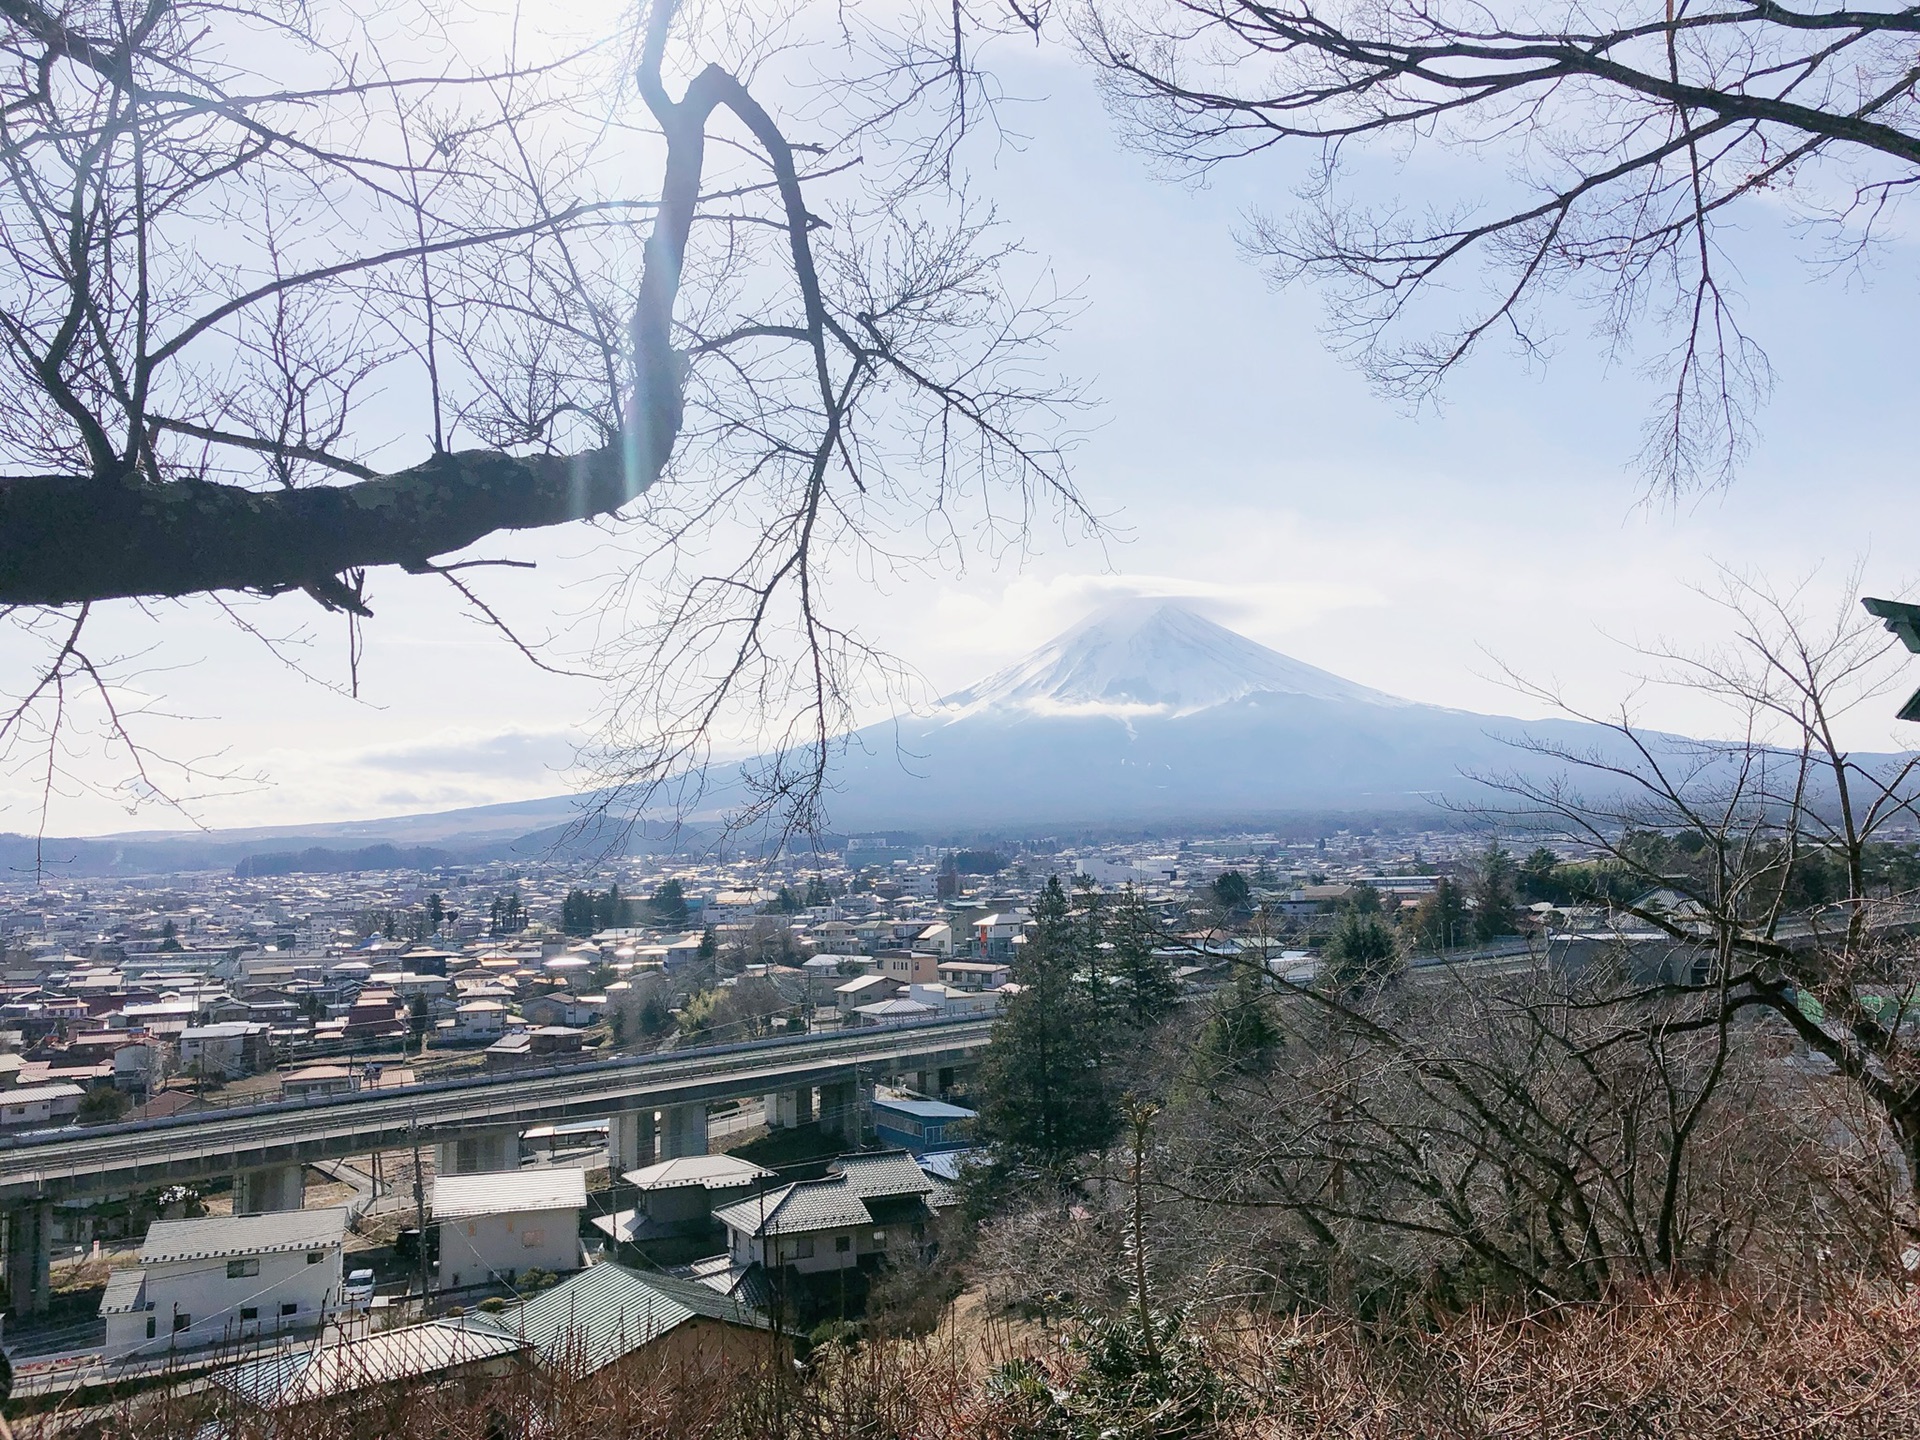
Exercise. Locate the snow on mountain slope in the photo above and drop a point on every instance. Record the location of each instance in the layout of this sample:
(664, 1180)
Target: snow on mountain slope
(1151, 657)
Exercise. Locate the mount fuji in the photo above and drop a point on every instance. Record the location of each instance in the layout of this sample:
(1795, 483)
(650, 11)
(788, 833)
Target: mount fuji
(1149, 711)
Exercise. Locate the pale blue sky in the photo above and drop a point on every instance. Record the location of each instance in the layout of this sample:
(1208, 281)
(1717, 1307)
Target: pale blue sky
(1245, 466)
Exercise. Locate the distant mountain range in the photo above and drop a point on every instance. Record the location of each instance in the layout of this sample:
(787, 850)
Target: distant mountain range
(1148, 714)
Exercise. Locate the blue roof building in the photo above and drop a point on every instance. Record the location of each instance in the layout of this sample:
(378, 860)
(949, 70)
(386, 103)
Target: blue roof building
(922, 1125)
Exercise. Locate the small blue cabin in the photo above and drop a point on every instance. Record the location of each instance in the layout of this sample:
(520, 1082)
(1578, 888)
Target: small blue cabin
(922, 1125)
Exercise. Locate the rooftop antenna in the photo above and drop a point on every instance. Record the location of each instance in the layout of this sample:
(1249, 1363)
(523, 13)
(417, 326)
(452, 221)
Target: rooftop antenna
(1903, 620)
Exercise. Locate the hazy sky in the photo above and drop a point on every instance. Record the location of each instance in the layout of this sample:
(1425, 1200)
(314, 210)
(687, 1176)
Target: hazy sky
(1243, 465)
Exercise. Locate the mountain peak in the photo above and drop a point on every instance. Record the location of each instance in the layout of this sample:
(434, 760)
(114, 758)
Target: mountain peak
(1153, 657)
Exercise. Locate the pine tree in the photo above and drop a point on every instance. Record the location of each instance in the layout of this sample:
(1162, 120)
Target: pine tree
(1145, 990)
(1242, 1032)
(1362, 952)
(1043, 1094)
(1440, 921)
(1493, 894)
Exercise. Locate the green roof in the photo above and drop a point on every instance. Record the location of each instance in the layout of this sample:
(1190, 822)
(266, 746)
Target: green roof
(606, 1312)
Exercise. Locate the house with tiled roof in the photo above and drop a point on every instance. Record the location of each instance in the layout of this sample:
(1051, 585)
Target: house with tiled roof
(869, 1207)
(608, 1313)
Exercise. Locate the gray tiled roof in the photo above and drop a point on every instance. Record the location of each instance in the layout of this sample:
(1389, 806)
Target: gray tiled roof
(221, 1235)
(800, 1208)
(126, 1292)
(509, 1192)
(886, 1172)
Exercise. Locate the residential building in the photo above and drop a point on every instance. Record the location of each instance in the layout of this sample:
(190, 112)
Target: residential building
(230, 1049)
(607, 1314)
(865, 990)
(908, 967)
(679, 1196)
(225, 1278)
(438, 1353)
(869, 1207)
(920, 1126)
(34, 1107)
(496, 1225)
(974, 974)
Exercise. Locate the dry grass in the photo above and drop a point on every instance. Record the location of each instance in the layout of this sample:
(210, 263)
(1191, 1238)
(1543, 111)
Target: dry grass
(1683, 1366)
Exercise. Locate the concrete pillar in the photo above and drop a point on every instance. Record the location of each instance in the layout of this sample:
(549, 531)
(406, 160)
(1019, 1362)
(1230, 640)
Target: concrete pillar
(29, 1256)
(683, 1131)
(840, 1111)
(787, 1109)
(269, 1190)
(473, 1154)
(630, 1141)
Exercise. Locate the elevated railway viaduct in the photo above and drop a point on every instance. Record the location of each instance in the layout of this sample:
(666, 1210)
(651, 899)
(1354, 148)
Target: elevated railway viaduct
(654, 1105)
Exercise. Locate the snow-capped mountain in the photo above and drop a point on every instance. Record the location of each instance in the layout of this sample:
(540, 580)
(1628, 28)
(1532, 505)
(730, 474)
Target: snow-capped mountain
(1149, 712)
(1152, 657)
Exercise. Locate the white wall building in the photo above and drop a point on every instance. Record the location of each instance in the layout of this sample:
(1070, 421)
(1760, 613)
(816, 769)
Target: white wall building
(225, 1279)
(496, 1225)
(28, 1107)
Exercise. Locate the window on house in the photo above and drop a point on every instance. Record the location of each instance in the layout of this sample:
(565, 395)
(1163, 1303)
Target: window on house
(843, 1243)
(150, 1327)
(879, 1237)
(240, 1269)
(181, 1321)
(249, 1312)
(803, 1248)
(314, 1257)
(292, 1307)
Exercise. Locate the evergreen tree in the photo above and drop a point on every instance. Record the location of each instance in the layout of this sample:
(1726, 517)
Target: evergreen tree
(1537, 879)
(576, 912)
(1232, 891)
(1145, 989)
(417, 1021)
(669, 903)
(436, 912)
(1493, 896)
(1362, 952)
(817, 893)
(1440, 920)
(1043, 1097)
(1362, 900)
(1242, 1032)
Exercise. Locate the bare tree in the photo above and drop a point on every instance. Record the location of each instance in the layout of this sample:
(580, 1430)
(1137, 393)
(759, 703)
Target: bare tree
(1622, 141)
(294, 292)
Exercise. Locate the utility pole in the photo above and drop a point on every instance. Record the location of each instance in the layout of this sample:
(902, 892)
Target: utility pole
(420, 1215)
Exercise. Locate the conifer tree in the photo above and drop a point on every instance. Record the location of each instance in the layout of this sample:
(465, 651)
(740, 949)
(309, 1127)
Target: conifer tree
(1043, 1094)
(1242, 1032)
(1145, 990)
(1362, 952)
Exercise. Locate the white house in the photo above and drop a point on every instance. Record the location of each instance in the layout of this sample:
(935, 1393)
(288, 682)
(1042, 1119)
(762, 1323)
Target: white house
(480, 1020)
(864, 991)
(498, 1224)
(975, 974)
(225, 1278)
(28, 1107)
(232, 1048)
